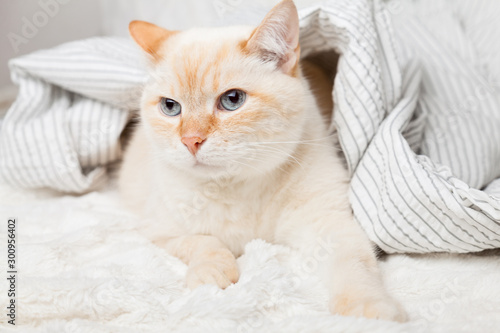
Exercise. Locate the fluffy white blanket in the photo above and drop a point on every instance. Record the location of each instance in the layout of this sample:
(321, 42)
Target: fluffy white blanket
(84, 267)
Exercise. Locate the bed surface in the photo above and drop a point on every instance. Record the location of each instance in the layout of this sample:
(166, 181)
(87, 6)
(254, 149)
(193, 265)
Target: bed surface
(84, 267)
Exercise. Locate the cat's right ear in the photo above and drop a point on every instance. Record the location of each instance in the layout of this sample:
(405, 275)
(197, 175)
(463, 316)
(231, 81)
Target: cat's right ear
(149, 37)
(276, 39)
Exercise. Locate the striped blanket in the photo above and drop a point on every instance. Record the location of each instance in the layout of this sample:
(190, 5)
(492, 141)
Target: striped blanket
(417, 109)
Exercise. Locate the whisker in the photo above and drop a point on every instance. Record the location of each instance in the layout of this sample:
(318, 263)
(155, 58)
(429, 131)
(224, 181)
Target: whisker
(261, 160)
(305, 143)
(274, 150)
(300, 141)
(245, 164)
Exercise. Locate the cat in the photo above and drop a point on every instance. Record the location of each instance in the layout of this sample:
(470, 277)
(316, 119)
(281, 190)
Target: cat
(231, 146)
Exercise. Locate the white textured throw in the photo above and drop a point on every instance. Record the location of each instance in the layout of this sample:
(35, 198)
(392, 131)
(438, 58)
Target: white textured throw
(417, 109)
(83, 267)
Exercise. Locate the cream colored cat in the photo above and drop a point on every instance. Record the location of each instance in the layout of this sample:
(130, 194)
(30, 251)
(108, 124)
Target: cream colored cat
(231, 147)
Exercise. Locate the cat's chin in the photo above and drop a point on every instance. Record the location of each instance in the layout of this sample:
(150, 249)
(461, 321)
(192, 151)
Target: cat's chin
(204, 167)
(203, 170)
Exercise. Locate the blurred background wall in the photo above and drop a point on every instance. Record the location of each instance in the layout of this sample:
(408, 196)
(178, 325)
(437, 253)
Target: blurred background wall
(29, 25)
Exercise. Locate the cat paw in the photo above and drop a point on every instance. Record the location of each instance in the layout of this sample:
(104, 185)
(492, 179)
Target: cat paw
(385, 309)
(217, 267)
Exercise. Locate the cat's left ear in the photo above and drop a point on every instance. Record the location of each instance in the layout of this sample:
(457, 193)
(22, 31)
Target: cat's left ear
(276, 39)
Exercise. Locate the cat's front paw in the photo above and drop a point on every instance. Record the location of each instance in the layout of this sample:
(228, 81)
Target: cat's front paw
(216, 267)
(377, 308)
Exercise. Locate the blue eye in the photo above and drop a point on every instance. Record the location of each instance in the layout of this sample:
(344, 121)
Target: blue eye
(232, 99)
(170, 107)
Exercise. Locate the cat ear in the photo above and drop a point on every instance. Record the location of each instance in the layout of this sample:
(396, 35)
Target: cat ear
(276, 39)
(149, 36)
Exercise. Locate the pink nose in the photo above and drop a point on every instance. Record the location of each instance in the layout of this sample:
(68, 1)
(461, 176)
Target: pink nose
(193, 143)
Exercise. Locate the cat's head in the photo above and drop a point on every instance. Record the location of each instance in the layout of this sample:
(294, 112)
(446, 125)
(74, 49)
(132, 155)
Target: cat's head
(224, 101)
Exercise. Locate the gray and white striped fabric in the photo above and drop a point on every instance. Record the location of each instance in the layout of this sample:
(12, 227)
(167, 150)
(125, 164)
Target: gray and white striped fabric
(73, 104)
(416, 108)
